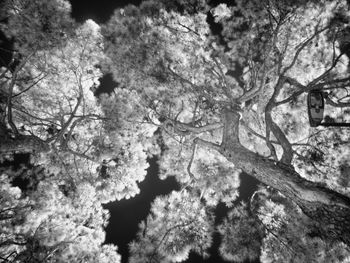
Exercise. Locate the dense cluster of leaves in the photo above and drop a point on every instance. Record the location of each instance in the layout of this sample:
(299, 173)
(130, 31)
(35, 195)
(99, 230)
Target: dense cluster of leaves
(37, 25)
(177, 224)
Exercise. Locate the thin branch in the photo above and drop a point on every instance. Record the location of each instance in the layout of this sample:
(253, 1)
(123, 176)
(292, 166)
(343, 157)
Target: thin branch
(9, 98)
(178, 114)
(189, 29)
(301, 47)
(335, 104)
(224, 86)
(269, 143)
(37, 118)
(334, 84)
(194, 146)
(199, 129)
(195, 87)
(325, 74)
(257, 134)
(68, 122)
(81, 155)
(207, 144)
(28, 88)
(70, 132)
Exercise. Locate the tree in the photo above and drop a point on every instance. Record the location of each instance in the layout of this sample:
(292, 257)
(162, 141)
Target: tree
(242, 98)
(47, 225)
(178, 223)
(209, 106)
(242, 235)
(37, 25)
(49, 98)
(49, 111)
(289, 232)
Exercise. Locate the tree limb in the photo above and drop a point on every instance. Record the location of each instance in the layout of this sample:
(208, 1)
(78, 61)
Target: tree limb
(337, 104)
(287, 155)
(301, 47)
(230, 135)
(70, 119)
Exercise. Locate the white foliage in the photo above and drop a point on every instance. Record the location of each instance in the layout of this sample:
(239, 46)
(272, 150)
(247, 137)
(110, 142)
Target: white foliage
(220, 12)
(178, 223)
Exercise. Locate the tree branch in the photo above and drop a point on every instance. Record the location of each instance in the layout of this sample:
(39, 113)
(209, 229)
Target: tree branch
(194, 146)
(200, 129)
(287, 155)
(301, 47)
(29, 87)
(337, 104)
(207, 144)
(230, 135)
(70, 119)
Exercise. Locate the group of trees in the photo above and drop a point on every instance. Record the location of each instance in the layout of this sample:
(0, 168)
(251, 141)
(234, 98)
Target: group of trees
(208, 105)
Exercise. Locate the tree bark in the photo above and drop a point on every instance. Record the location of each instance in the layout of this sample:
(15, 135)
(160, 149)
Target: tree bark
(329, 210)
(22, 144)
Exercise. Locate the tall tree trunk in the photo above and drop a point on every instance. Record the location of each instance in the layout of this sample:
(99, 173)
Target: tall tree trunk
(328, 209)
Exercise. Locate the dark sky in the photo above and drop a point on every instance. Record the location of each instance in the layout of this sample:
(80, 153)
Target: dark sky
(98, 10)
(127, 214)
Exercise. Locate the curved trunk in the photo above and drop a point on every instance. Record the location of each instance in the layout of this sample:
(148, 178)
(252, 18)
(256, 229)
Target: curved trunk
(329, 210)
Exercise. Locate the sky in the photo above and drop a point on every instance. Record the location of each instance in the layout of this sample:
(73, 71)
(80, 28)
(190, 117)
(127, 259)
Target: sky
(127, 214)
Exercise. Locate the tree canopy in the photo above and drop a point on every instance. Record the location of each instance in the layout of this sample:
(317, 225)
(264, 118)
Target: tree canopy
(210, 105)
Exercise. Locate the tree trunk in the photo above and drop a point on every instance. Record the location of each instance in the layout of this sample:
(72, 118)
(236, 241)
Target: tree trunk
(23, 144)
(328, 209)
